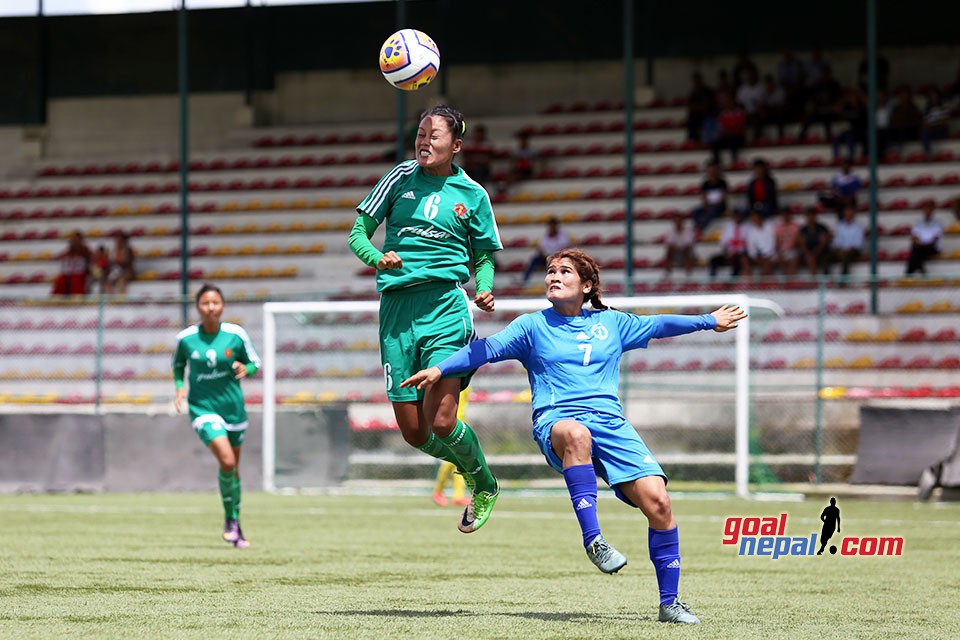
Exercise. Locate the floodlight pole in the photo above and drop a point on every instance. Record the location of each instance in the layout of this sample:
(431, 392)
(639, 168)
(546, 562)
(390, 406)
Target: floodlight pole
(872, 144)
(183, 90)
(401, 151)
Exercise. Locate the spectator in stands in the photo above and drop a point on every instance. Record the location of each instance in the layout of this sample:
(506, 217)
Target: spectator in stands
(74, 268)
(723, 92)
(852, 109)
(121, 265)
(773, 108)
(925, 241)
(679, 244)
(213, 397)
(791, 76)
(787, 235)
(816, 66)
(762, 190)
(883, 74)
(554, 239)
(905, 119)
(822, 104)
(844, 187)
(936, 122)
(750, 96)
(731, 129)
(523, 163)
(743, 67)
(848, 240)
(479, 154)
(700, 106)
(713, 198)
(761, 244)
(883, 123)
(956, 210)
(100, 267)
(733, 246)
(814, 244)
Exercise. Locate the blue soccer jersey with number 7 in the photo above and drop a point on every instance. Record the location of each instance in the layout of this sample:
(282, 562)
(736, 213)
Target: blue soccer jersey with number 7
(573, 362)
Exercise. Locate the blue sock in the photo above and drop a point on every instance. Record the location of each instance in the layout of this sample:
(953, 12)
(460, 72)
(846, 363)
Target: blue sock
(582, 485)
(665, 556)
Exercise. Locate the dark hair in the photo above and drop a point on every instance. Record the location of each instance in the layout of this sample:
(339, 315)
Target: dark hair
(588, 270)
(206, 288)
(453, 118)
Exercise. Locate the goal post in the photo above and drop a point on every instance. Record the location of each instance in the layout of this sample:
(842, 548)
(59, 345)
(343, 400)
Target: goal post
(349, 328)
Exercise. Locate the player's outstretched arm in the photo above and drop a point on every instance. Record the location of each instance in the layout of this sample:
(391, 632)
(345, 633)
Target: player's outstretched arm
(727, 317)
(422, 378)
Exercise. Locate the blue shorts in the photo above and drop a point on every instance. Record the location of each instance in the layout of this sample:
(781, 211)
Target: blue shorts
(619, 453)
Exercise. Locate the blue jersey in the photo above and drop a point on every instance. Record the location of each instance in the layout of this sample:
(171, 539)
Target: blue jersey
(573, 362)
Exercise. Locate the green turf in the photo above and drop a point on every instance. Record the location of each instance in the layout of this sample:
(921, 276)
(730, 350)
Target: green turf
(153, 566)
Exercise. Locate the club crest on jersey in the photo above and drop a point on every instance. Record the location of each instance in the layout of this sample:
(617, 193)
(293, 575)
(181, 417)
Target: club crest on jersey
(228, 353)
(599, 331)
(460, 209)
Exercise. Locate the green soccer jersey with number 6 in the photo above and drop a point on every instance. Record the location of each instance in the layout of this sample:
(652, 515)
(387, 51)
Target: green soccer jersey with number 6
(434, 223)
(213, 385)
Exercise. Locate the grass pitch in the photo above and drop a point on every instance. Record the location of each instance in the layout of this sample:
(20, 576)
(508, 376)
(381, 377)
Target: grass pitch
(153, 566)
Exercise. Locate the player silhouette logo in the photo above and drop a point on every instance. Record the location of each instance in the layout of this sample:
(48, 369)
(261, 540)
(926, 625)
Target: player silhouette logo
(831, 520)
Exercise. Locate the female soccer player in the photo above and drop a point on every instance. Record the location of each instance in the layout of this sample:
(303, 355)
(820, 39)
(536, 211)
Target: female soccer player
(438, 222)
(572, 357)
(220, 355)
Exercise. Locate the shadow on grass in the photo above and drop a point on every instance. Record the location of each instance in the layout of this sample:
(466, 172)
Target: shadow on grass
(461, 613)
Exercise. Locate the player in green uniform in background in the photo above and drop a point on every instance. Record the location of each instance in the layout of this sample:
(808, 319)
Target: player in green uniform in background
(220, 354)
(439, 222)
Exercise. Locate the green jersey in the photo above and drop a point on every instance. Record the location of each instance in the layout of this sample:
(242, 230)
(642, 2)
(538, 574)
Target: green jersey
(434, 224)
(213, 387)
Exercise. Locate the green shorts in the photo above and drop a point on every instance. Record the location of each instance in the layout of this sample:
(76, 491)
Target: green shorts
(419, 327)
(210, 426)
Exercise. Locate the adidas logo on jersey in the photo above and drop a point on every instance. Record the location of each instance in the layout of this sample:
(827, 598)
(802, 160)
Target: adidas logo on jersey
(583, 504)
(195, 355)
(582, 336)
(674, 565)
(649, 460)
(409, 196)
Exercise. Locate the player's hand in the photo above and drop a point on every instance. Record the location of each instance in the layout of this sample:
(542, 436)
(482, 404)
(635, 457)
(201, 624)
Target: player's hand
(422, 378)
(390, 260)
(239, 370)
(485, 301)
(727, 317)
(178, 399)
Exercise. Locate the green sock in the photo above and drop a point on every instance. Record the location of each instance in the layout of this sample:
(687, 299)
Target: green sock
(236, 495)
(464, 444)
(434, 447)
(226, 481)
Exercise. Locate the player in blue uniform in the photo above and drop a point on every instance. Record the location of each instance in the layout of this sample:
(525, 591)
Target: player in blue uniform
(579, 425)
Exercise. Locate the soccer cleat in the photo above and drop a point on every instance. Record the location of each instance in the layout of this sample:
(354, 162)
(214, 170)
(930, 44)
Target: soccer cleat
(241, 542)
(677, 612)
(231, 530)
(478, 511)
(607, 559)
(439, 499)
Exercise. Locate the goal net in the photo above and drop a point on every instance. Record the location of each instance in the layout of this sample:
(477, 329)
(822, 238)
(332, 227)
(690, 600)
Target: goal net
(327, 420)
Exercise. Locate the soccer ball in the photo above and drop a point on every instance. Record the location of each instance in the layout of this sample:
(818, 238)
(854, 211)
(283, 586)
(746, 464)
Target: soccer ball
(409, 59)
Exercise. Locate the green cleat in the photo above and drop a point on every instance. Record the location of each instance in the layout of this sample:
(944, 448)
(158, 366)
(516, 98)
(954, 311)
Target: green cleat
(476, 513)
(607, 559)
(677, 612)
